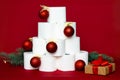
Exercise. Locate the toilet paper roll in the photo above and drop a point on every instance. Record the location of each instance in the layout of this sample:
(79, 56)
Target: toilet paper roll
(39, 46)
(82, 55)
(59, 29)
(72, 45)
(45, 30)
(60, 47)
(65, 63)
(27, 58)
(57, 14)
(47, 63)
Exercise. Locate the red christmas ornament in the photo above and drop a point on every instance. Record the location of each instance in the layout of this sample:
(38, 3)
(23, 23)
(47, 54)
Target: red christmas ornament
(69, 31)
(35, 62)
(79, 65)
(43, 14)
(51, 47)
(27, 45)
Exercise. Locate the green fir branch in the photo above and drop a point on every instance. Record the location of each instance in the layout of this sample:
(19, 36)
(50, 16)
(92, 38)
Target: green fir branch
(94, 55)
(15, 58)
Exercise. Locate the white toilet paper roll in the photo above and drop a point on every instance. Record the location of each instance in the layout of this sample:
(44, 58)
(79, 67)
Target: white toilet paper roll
(57, 14)
(39, 46)
(72, 45)
(59, 29)
(47, 63)
(60, 47)
(27, 58)
(65, 63)
(82, 55)
(45, 30)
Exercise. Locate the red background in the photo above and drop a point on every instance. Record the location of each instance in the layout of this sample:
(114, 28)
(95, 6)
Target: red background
(98, 22)
(98, 25)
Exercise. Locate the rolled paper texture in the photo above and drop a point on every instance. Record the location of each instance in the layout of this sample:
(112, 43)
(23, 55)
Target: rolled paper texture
(58, 30)
(45, 30)
(39, 46)
(65, 63)
(57, 14)
(82, 55)
(72, 45)
(27, 57)
(48, 63)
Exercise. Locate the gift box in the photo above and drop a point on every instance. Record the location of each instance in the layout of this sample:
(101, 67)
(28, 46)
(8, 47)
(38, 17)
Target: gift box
(100, 70)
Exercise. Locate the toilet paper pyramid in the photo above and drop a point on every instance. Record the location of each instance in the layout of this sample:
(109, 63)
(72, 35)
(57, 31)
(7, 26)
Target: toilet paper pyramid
(56, 44)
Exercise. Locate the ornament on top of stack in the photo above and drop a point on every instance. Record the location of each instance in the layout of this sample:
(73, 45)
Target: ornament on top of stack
(56, 44)
(44, 13)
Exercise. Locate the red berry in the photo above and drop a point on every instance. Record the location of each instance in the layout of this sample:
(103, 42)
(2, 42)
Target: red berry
(35, 62)
(27, 45)
(43, 14)
(68, 31)
(51, 47)
(79, 65)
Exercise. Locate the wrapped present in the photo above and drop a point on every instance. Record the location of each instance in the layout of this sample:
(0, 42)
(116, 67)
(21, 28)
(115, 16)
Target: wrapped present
(103, 69)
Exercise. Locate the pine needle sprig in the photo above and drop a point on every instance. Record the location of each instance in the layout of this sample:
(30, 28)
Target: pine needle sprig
(14, 58)
(94, 55)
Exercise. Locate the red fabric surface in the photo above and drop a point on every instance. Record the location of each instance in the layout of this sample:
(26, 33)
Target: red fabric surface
(8, 72)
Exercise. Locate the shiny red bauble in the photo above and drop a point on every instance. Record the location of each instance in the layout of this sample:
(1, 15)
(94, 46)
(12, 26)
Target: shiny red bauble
(27, 45)
(43, 14)
(79, 65)
(51, 47)
(35, 62)
(69, 31)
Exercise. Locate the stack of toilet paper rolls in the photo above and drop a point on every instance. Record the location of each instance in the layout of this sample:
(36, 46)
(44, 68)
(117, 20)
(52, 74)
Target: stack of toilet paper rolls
(68, 48)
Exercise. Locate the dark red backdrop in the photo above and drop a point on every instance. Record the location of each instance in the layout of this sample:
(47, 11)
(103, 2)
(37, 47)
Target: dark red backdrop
(98, 25)
(98, 22)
